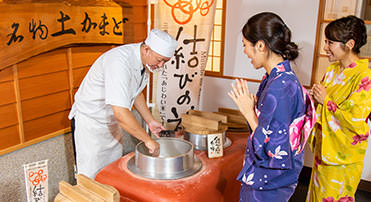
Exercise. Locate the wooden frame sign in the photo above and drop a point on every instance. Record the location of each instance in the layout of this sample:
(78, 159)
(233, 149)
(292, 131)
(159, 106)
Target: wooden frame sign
(33, 28)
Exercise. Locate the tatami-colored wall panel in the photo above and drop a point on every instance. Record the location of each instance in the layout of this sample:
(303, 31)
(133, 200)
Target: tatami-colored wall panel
(43, 85)
(7, 93)
(45, 105)
(46, 63)
(9, 136)
(45, 125)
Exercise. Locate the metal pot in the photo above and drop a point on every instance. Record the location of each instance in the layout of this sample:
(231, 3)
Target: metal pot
(200, 140)
(176, 160)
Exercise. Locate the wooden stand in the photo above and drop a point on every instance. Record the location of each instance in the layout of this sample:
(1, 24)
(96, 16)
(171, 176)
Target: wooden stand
(86, 190)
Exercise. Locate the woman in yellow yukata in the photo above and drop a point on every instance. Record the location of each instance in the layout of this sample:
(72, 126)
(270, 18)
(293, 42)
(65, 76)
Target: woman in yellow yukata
(339, 138)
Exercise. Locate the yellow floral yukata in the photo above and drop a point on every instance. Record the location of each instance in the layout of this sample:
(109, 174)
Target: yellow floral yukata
(339, 138)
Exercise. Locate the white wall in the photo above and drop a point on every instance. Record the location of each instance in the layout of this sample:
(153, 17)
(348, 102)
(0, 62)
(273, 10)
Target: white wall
(214, 93)
(301, 17)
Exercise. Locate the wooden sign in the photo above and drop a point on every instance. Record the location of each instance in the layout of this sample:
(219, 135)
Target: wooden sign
(214, 145)
(29, 29)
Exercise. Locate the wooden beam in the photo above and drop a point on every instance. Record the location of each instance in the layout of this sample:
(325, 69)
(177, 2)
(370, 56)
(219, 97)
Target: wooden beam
(34, 141)
(70, 74)
(19, 103)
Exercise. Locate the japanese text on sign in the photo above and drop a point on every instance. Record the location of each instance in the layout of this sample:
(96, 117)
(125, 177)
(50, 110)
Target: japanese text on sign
(40, 30)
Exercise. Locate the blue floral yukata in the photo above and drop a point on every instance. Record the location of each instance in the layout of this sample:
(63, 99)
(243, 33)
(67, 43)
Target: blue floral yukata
(274, 152)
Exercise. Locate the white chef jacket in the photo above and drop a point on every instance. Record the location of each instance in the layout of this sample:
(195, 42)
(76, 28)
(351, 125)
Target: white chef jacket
(116, 79)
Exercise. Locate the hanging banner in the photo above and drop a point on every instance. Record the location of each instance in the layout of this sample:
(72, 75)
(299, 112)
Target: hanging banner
(36, 178)
(178, 86)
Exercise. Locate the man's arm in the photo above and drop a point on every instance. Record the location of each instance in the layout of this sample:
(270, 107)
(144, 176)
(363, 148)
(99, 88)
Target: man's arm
(141, 106)
(129, 123)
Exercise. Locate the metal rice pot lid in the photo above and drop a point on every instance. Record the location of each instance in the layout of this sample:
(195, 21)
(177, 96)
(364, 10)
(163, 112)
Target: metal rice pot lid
(176, 160)
(200, 140)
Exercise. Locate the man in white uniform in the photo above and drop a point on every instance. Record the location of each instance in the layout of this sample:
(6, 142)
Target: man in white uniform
(106, 96)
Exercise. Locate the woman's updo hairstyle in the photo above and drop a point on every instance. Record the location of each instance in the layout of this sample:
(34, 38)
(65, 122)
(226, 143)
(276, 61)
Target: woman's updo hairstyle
(346, 28)
(270, 28)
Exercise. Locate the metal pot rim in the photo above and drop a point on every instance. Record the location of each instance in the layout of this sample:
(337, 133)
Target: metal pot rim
(180, 162)
(197, 165)
(191, 150)
(199, 141)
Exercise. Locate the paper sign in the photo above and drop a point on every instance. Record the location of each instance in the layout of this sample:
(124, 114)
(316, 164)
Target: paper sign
(215, 145)
(36, 178)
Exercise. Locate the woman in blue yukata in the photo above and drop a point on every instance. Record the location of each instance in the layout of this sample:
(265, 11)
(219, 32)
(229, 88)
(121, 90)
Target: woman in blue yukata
(281, 115)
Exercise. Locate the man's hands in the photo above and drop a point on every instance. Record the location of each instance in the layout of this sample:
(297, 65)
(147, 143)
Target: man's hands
(129, 123)
(155, 127)
(153, 147)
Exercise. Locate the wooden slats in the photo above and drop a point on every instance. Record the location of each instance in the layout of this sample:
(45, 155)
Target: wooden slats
(7, 93)
(54, 61)
(139, 36)
(36, 93)
(140, 14)
(235, 117)
(109, 193)
(72, 192)
(6, 75)
(201, 122)
(85, 56)
(136, 3)
(8, 115)
(45, 125)
(74, 91)
(230, 111)
(78, 76)
(209, 115)
(92, 196)
(43, 85)
(45, 105)
(9, 137)
(87, 190)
